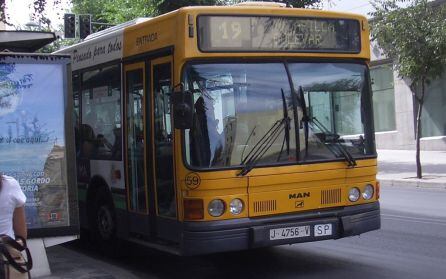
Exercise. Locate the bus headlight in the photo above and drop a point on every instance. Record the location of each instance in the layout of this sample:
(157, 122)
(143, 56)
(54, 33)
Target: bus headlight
(368, 192)
(216, 208)
(236, 206)
(353, 194)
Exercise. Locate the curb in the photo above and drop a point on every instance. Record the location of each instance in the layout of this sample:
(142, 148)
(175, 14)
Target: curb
(413, 183)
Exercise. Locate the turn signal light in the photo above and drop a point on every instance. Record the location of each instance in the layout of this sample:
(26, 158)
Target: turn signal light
(193, 209)
(378, 186)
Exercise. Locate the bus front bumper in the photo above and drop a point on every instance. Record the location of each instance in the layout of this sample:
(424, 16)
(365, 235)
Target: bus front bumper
(240, 234)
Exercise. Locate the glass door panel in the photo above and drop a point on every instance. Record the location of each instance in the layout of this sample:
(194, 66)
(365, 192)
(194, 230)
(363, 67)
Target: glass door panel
(163, 137)
(135, 138)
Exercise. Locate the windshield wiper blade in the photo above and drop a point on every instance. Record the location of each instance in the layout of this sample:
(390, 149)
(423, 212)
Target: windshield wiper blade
(286, 138)
(262, 146)
(305, 118)
(246, 143)
(265, 143)
(351, 162)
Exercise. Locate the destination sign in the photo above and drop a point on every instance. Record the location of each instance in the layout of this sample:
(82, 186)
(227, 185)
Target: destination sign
(286, 34)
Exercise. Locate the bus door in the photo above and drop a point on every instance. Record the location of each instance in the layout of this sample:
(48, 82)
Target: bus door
(136, 143)
(163, 157)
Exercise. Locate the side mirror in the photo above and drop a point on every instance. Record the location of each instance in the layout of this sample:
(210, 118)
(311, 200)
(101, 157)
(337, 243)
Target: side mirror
(182, 102)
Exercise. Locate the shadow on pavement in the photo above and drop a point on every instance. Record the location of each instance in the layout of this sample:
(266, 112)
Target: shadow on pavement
(278, 262)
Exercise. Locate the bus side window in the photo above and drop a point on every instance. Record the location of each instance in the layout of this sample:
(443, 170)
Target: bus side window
(76, 117)
(101, 114)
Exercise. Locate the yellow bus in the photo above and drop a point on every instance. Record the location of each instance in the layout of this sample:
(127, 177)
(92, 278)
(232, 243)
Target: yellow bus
(212, 129)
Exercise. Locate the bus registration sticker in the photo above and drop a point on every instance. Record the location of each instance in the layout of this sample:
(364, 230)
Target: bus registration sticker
(322, 230)
(289, 232)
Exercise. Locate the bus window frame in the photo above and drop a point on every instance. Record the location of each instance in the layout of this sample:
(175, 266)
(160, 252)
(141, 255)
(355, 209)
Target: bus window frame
(285, 61)
(361, 31)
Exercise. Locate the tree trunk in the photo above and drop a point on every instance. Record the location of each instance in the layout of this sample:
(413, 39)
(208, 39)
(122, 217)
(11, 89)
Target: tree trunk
(418, 134)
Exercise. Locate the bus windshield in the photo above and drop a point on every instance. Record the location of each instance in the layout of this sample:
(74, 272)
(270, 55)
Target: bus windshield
(251, 108)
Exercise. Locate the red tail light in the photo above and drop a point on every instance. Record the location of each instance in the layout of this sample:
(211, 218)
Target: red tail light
(193, 209)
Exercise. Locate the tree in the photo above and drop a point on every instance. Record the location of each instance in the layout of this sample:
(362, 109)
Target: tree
(294, 3)
(165, 6)
(114, 12)
(119, 11)
(415, 38)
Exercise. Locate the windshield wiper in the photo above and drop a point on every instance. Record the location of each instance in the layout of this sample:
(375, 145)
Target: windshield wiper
(305, 118)
(246, 143)
(286, 138)
(262, 146)
(334, 138)
(265, 143)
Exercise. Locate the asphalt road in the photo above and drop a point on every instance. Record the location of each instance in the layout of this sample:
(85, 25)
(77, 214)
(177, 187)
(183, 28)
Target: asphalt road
(411, 244)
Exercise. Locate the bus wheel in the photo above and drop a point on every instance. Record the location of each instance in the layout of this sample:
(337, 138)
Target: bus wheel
(103, 225)
(105, 222)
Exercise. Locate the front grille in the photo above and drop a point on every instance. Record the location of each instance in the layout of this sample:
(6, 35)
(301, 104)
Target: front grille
(265, 206)
(331, 196)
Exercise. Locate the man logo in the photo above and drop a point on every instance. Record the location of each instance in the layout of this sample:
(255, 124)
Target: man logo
(299, 195)
(299, 204)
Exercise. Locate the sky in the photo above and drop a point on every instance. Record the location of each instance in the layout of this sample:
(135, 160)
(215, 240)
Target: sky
(20, 10)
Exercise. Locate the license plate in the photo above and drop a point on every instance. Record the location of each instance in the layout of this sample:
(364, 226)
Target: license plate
(289, 232)
(323, 230)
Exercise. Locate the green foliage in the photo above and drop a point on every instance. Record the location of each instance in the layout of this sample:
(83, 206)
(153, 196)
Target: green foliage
(57, 44)
(304, 3)
(118, 11)
(294, 3)
(164, 6)
(114, 12)
(414, 36)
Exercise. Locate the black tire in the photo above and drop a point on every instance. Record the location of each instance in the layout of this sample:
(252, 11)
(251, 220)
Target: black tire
(102, 223)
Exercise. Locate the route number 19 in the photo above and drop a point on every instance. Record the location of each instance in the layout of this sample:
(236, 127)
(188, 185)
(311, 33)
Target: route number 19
(232, 31)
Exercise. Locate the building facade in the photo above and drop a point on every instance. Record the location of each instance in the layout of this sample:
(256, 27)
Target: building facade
(395, 109)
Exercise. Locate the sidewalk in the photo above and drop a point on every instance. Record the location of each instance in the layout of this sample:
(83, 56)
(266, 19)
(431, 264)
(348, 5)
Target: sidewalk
(398, 168)
(74, 261)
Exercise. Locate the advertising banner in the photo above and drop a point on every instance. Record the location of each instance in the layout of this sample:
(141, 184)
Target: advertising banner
(33, 146)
